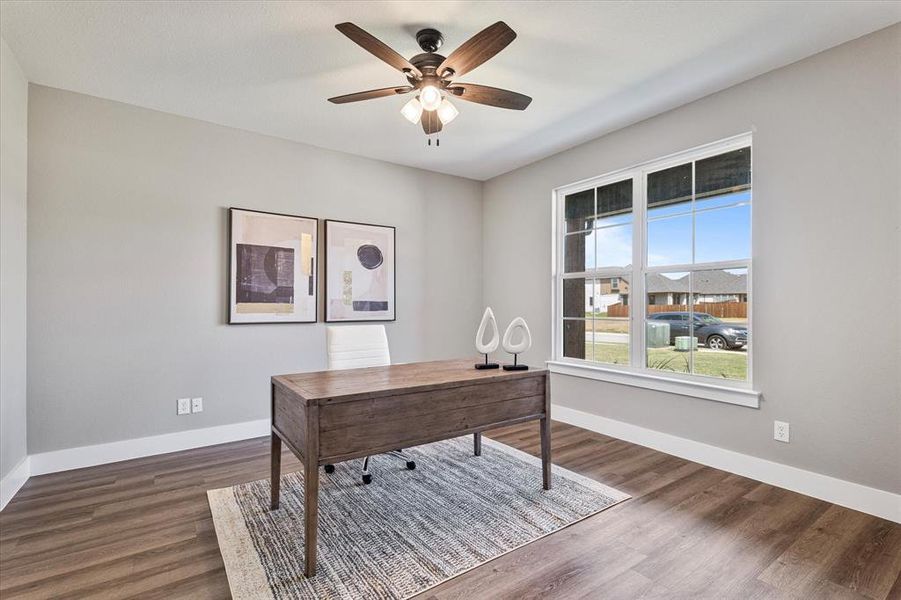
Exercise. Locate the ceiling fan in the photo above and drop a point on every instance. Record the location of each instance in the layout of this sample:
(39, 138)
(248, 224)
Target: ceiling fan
(432, 75)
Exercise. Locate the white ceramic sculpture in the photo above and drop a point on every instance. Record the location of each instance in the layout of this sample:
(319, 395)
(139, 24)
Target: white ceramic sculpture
(491, 346)
(521, 346)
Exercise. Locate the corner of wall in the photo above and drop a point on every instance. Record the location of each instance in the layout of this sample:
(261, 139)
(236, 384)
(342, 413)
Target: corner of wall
(13, 271)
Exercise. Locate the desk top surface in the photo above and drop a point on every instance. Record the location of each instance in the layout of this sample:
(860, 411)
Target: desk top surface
(372, 382)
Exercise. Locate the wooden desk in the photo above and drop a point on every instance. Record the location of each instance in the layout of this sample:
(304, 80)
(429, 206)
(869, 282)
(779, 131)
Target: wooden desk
(332, 416)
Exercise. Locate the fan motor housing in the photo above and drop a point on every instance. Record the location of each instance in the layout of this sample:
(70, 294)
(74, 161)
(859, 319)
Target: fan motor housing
(427, 61)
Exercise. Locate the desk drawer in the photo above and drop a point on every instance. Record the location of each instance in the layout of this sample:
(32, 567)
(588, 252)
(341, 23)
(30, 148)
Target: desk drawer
(351, 428)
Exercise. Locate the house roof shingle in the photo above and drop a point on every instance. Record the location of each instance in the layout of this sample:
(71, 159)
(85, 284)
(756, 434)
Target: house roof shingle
(705, 282)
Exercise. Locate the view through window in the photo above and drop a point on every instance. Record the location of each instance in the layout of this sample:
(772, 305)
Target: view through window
(676, 238)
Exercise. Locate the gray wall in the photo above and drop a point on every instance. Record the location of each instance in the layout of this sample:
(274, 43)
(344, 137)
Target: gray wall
(127, 265)
(827, 261)
(13, 209)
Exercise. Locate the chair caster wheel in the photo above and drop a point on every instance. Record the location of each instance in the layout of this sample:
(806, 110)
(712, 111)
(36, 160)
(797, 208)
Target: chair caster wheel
(367, 478)
(329, 468)
(411, 465)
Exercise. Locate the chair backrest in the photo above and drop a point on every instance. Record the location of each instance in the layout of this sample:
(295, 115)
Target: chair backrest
(356, 346)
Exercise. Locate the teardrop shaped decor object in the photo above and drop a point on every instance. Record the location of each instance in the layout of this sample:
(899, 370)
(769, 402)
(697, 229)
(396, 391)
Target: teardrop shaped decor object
(525, 342)
(487, 348)
(487, 320)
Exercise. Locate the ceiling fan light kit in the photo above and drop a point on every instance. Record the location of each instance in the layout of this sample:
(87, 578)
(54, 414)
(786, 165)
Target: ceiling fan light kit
(430, 75)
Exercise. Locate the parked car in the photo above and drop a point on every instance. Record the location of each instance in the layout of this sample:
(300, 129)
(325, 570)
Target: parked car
(710, 331)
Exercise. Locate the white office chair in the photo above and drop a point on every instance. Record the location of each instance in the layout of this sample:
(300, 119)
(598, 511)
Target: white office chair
(356, 347)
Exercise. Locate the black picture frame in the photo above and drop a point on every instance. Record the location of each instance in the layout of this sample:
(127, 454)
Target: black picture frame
(229, 305)
(325, 262)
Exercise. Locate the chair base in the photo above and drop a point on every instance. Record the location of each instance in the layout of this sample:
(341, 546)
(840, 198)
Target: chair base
(367, 476)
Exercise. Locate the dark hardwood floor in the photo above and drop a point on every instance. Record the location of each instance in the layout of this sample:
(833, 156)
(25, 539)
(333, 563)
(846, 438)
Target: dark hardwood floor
(143, 528)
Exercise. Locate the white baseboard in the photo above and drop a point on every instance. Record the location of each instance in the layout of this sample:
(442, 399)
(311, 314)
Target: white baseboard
(89, 456)
(14, 481)
(844, 493)
(838, 491)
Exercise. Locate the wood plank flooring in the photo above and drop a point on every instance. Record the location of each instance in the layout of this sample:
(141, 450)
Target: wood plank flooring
(142, 528)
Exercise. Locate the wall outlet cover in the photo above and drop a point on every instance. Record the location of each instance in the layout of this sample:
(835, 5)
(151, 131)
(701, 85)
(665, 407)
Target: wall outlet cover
(184, 406)
(196, 405)
(781, 431)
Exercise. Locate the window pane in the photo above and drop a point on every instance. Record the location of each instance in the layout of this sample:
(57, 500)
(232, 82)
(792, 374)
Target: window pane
(723, 174)
(669, 241)
(609, 330)
(723, 234)
(578, 252)
(574, 345)
(614, 246)
(578, 209)
(720, 311)
(667, 326)
(578, 298)
(614, 203)
(669, 191)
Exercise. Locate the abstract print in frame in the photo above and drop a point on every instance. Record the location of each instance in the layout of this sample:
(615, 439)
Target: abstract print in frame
(272, 267)
(359, 272)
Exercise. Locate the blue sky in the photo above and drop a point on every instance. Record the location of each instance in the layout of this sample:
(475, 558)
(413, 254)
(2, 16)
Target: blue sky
(722, 233)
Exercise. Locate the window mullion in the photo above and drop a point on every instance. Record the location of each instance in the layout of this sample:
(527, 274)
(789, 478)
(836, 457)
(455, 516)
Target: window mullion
(639, 260)
(591, 323)
(690, 301)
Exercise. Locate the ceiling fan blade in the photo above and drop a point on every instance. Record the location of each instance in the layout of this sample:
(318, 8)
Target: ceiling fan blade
(478, 49)
(430, 122)
(489, 95)
(370, 94)
(377, 48)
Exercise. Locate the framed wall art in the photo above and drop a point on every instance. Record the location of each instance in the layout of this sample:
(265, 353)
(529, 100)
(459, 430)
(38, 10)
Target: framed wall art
(359, 272)
(272, 267)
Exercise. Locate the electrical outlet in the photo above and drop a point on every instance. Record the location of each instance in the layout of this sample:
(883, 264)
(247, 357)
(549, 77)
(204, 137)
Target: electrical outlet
(781, 431)
(196, 405)
(184, 406)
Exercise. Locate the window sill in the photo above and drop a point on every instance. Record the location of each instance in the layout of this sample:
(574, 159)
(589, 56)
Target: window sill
(721, 393)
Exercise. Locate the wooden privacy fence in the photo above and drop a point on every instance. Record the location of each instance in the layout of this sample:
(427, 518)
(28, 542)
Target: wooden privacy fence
(723, 310)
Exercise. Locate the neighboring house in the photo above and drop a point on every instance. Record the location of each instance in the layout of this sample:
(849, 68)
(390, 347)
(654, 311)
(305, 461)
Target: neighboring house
(605, 292)
(711, 286)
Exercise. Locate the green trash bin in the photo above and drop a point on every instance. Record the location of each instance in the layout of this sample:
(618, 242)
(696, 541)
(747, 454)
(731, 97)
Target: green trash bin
(658, 334)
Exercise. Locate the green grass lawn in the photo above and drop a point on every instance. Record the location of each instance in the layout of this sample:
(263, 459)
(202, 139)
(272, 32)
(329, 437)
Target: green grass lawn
(728, 364)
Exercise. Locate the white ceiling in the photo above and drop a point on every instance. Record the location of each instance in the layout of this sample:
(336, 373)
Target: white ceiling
(268, 67)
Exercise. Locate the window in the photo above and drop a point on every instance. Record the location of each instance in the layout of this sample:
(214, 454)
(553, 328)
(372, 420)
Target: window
(676, 233)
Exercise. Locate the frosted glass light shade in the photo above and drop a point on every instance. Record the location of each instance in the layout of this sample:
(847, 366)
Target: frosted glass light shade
(412, 111)
(430, 97)
(447, 112)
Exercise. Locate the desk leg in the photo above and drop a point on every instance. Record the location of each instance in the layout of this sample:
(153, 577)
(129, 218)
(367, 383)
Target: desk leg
(545, 426)
(311, 491)
(311, 518)
(477, 444)
(276, 465)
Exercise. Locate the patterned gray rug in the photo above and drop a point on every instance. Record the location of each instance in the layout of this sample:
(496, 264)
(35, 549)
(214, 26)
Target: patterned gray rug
(405, 532)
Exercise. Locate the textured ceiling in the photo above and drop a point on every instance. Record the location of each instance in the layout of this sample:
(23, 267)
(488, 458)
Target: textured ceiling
(268, 67)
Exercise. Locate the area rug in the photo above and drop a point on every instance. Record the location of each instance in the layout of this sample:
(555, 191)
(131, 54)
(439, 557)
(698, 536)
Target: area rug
(405, 532)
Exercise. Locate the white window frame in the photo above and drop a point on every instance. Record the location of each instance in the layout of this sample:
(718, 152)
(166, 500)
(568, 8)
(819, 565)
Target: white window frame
(636, 374)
